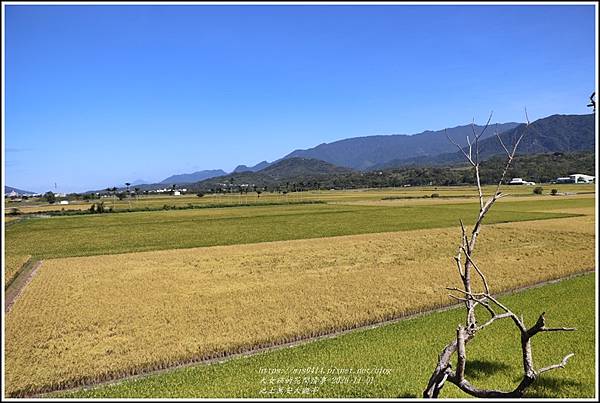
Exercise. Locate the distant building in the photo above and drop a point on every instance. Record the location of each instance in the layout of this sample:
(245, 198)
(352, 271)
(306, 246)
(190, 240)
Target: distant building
(176, 193)
(581, 178)
(64, 202)
(14, 193)
(520, 181)
(577, 178)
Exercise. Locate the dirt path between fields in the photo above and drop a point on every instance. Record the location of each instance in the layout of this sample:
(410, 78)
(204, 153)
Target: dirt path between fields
(16, 287)
(258, 350)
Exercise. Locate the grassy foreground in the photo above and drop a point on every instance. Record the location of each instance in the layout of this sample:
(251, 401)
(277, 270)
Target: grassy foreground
(87, 319)
(408, 349)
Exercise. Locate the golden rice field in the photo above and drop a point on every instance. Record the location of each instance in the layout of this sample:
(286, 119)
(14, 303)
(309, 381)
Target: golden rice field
(12, 265)
(86, 319)
(577, 225)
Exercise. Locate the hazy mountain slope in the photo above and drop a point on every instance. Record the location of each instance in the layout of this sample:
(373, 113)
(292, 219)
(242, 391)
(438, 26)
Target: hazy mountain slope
(298, 167)
(8, 189)
(287, 170)
(365, 152)
(255, 168)
(193, 177)
(556, 133)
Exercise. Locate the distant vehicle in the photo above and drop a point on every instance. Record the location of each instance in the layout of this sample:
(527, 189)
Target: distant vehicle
(520, 181)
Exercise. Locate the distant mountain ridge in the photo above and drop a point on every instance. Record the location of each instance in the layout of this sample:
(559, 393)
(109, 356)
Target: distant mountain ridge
(193, 177)
(358, 153)
(287, 170)
(298, 167)
(9, 189)
(555, 133)
(255, 168)
(363, 153)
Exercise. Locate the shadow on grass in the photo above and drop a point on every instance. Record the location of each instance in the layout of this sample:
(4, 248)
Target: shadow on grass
(478, 369)
(404, 395)
(546, 386)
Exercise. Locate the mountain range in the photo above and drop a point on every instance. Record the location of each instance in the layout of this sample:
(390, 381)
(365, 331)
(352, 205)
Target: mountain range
(193, 177)
(364, 153)
(361, 153)
(295, 169)
(198, 176)
(255, 168)
(556, 133)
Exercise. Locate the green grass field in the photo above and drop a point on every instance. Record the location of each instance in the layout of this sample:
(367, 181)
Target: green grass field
(158, 200)
(409, 350)
(161, 230)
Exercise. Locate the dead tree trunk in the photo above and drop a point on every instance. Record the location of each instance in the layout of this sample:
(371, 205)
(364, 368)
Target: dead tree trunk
(465, 264)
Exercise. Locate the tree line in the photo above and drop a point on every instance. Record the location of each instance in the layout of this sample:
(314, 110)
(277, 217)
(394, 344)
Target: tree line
(541, 168)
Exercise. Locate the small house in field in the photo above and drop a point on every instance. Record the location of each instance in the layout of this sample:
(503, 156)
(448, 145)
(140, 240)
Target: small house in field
(176, 193)
(520, 181)
(64, 202)
(581, 178)
(577, 178)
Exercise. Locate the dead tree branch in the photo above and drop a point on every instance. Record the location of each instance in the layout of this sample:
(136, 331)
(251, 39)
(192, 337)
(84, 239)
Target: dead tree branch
(556, 366)
(465, 261)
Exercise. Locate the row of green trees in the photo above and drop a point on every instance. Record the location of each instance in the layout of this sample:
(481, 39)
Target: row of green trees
(541, 168)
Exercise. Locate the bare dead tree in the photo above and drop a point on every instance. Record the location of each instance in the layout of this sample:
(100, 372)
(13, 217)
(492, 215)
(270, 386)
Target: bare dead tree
(466, 266)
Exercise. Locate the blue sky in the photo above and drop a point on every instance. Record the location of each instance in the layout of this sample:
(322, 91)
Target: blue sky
(100, 95)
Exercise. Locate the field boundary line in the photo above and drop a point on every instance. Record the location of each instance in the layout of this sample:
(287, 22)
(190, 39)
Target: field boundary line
(251, 351)
(23, 267)
(18, 284)
(13, 222)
